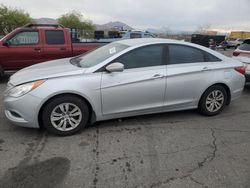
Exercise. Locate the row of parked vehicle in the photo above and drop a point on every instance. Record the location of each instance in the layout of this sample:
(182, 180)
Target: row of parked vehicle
(242, 53)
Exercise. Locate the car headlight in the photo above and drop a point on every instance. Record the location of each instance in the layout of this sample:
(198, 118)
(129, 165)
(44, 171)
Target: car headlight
(23, 89)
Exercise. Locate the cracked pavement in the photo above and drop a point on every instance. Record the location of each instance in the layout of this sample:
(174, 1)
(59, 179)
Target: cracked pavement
(176, 150)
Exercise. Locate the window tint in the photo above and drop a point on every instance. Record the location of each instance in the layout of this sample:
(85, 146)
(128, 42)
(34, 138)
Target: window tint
(210, 58)
(143, 57)
(245, 47)
(135, 35)
(183, 54)
(54, 37)
(26, 37)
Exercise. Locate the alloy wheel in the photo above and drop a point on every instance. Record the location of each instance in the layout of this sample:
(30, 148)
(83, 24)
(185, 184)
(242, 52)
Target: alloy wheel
(66, 117)
(215, 101)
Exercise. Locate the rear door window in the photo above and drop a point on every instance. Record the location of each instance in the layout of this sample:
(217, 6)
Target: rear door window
(54, 37)
(179, 54)
(210, 58)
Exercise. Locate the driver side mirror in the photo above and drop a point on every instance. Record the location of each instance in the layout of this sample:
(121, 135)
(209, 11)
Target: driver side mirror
(115, 67)
(6, 43)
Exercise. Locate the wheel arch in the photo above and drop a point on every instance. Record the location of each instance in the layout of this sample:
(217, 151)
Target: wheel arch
(92, 117)
(225, 86)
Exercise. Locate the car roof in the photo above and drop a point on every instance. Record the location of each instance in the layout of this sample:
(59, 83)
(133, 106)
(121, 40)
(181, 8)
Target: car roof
(138, 42)
(148, 41)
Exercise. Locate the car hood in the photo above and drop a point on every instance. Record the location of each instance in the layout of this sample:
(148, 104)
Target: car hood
(46, 70)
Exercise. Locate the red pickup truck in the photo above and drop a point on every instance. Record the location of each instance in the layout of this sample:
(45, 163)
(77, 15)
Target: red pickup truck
(33, 44)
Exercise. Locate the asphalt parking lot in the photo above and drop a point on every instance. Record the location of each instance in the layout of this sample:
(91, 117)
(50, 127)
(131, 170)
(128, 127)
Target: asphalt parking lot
(176, 150)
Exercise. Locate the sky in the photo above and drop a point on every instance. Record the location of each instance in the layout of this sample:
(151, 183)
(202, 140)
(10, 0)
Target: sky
(180, 15)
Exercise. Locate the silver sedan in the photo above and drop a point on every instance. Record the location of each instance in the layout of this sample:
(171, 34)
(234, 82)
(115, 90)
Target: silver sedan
(121, 79)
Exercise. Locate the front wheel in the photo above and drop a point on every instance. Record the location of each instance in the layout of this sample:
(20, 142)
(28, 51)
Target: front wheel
(1, 72)
(65, 115)
(213, 100)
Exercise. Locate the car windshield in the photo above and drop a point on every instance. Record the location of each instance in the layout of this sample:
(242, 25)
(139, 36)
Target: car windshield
(99, 55)
(245, 47)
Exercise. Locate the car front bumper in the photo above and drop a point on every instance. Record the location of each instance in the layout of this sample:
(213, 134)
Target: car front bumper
(23, 111)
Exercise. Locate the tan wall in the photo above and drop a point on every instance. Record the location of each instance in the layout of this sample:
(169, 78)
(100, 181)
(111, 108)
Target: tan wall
(211, 32)
(240, 34)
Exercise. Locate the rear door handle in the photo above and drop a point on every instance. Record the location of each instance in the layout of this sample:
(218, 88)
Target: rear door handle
(206, 69)
(158, 76)
(62, 48)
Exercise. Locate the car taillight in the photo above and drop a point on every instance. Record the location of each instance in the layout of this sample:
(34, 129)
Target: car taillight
(236, 53)
(241, 70)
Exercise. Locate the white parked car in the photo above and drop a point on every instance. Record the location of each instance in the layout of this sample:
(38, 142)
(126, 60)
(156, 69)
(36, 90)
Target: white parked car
(234, 42)
(243, 54)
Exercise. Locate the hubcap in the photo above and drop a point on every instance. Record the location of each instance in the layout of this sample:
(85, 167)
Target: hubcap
(66, 117)
(215, 101)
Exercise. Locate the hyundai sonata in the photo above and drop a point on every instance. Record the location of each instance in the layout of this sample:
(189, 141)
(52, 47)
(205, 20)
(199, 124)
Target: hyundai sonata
(121, 79)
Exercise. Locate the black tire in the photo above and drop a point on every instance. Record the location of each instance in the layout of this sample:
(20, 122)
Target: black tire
(204, 109)
(1, 72)
(60, 100)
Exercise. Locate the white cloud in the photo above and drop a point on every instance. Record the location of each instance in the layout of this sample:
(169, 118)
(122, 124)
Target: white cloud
(140, 14)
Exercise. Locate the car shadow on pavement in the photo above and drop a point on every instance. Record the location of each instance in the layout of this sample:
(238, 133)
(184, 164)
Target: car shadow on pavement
(150, 119)
(130, 124)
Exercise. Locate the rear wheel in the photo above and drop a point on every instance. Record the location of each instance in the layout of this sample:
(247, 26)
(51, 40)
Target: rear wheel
(65, 115)
(213, 100)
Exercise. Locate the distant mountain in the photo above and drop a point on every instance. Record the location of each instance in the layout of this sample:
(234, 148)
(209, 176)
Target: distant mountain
(45, 21)
(108, 26)
(113, 26)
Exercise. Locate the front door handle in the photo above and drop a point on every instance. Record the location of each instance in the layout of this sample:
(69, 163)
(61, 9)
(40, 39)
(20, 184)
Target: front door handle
(62, 48)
